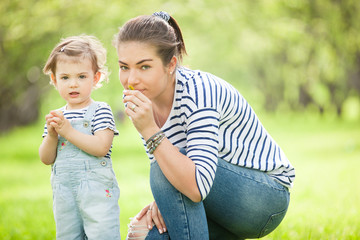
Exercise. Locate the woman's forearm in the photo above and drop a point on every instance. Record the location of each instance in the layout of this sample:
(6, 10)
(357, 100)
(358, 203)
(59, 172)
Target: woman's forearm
(178, 169)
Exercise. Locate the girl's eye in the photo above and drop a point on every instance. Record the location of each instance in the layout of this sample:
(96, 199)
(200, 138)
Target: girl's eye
(124, 68)
(144, 67)
(82, 76)
(64, 78)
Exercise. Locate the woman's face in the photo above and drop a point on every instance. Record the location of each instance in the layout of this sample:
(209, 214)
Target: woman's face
(142, 68)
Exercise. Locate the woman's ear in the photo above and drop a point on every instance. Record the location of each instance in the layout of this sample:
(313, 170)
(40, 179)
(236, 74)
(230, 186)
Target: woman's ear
(172, 65)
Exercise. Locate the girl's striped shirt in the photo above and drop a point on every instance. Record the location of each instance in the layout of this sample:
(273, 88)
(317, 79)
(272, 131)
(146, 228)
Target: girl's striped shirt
(102, 119)
(211, 120)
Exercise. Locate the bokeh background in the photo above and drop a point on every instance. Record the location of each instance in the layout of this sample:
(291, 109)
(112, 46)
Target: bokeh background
(296, 62)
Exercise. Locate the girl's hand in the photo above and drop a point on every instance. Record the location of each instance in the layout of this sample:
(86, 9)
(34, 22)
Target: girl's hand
(51, 130)
(60, 123)
(139, 109)
(153, 215)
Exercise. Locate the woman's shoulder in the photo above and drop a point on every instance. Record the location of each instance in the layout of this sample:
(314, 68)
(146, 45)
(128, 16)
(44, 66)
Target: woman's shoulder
(200, 81)
(188, 74)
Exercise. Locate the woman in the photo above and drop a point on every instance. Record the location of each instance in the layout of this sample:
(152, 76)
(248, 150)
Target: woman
(215, 171)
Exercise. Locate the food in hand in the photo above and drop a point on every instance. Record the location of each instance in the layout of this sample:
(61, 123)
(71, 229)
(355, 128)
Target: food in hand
(131, 87)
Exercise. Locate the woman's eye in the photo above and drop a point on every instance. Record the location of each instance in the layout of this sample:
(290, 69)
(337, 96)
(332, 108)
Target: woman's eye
(123, 68)
(145, 67)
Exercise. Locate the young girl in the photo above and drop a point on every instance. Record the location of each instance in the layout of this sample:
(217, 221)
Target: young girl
(77, 142)
(230, 179)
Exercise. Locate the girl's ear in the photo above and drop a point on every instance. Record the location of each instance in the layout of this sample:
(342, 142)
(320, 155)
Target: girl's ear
(97, 77)
(53, 79)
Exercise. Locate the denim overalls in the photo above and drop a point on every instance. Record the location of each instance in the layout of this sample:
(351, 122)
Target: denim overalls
(85, 190)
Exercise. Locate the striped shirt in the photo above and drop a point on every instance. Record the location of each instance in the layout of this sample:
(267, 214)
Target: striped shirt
(211, 119)
(102, 119)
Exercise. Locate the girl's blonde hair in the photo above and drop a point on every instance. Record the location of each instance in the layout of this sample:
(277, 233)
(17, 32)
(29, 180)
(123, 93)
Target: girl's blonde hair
(80, 47)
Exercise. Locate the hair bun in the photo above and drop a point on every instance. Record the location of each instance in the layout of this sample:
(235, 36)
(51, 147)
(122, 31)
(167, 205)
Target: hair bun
(163, 15)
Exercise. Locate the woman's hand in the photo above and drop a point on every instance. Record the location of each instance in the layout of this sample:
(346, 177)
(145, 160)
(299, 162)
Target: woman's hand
(153, 215)
(139, 109)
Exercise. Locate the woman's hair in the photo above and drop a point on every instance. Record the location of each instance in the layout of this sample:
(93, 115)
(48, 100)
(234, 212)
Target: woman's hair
(79, 47)
(159, 30)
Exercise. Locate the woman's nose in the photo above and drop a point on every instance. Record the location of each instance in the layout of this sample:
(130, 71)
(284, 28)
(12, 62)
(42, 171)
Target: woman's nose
(132, 79)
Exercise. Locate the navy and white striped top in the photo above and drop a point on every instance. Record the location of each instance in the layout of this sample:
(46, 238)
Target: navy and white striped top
(102, 119)
(211, 119)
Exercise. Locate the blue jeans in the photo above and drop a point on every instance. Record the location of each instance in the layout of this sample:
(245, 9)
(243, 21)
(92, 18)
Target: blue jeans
(243, 203)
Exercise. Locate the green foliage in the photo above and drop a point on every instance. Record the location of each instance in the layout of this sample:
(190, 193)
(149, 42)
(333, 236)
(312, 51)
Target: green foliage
(282, 55)
(324, 200)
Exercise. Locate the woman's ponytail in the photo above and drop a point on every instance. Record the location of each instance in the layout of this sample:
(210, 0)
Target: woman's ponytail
(181, 44)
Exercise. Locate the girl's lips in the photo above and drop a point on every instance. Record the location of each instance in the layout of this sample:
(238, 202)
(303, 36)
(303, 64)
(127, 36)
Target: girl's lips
(74, 94)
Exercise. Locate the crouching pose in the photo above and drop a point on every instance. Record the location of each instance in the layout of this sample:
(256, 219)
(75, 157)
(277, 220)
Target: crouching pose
(215, 173)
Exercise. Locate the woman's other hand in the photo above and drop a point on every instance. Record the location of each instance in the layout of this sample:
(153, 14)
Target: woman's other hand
(153, 216)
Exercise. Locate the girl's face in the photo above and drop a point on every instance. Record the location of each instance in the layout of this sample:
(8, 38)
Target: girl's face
(142, 68)
(75, 80)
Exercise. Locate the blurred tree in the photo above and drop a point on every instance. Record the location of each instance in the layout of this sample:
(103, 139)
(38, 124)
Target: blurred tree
(312, 55)
(29, 30)
(283, 54)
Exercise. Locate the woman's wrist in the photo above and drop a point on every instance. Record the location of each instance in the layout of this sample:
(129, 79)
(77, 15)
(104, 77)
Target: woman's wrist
(154, 141)
(148, 133)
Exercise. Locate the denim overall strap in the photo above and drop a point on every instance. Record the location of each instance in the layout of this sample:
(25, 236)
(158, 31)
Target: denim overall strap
(90, 114)
(90, 163)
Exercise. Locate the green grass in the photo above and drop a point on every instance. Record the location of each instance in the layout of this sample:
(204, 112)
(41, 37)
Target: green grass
(324, 201)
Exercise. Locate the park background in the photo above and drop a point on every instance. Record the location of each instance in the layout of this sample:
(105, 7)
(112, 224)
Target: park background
(297, 62)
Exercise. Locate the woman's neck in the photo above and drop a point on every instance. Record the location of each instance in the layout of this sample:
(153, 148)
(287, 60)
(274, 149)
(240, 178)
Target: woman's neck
(162, 106)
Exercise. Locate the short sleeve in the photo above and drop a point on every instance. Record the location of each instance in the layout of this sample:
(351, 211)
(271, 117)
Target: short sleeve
(104, 119)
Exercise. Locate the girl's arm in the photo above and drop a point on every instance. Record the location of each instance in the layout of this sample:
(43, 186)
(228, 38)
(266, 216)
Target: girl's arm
(47, 149)
(97, 145)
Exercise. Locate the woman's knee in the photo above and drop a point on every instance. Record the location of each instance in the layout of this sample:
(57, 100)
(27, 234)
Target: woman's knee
(158, 181)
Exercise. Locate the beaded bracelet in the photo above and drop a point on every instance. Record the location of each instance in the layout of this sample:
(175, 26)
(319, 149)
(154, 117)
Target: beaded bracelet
(154, 141)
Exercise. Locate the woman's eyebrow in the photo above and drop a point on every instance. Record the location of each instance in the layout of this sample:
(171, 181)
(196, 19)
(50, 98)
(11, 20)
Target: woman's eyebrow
(144, 60)
(140, 62)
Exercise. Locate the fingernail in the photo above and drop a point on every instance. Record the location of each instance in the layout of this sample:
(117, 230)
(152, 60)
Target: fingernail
(164, 229)
(160, 231)
(149, 226)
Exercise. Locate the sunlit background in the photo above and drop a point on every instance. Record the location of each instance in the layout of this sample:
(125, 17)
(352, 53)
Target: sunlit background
(296, 62)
